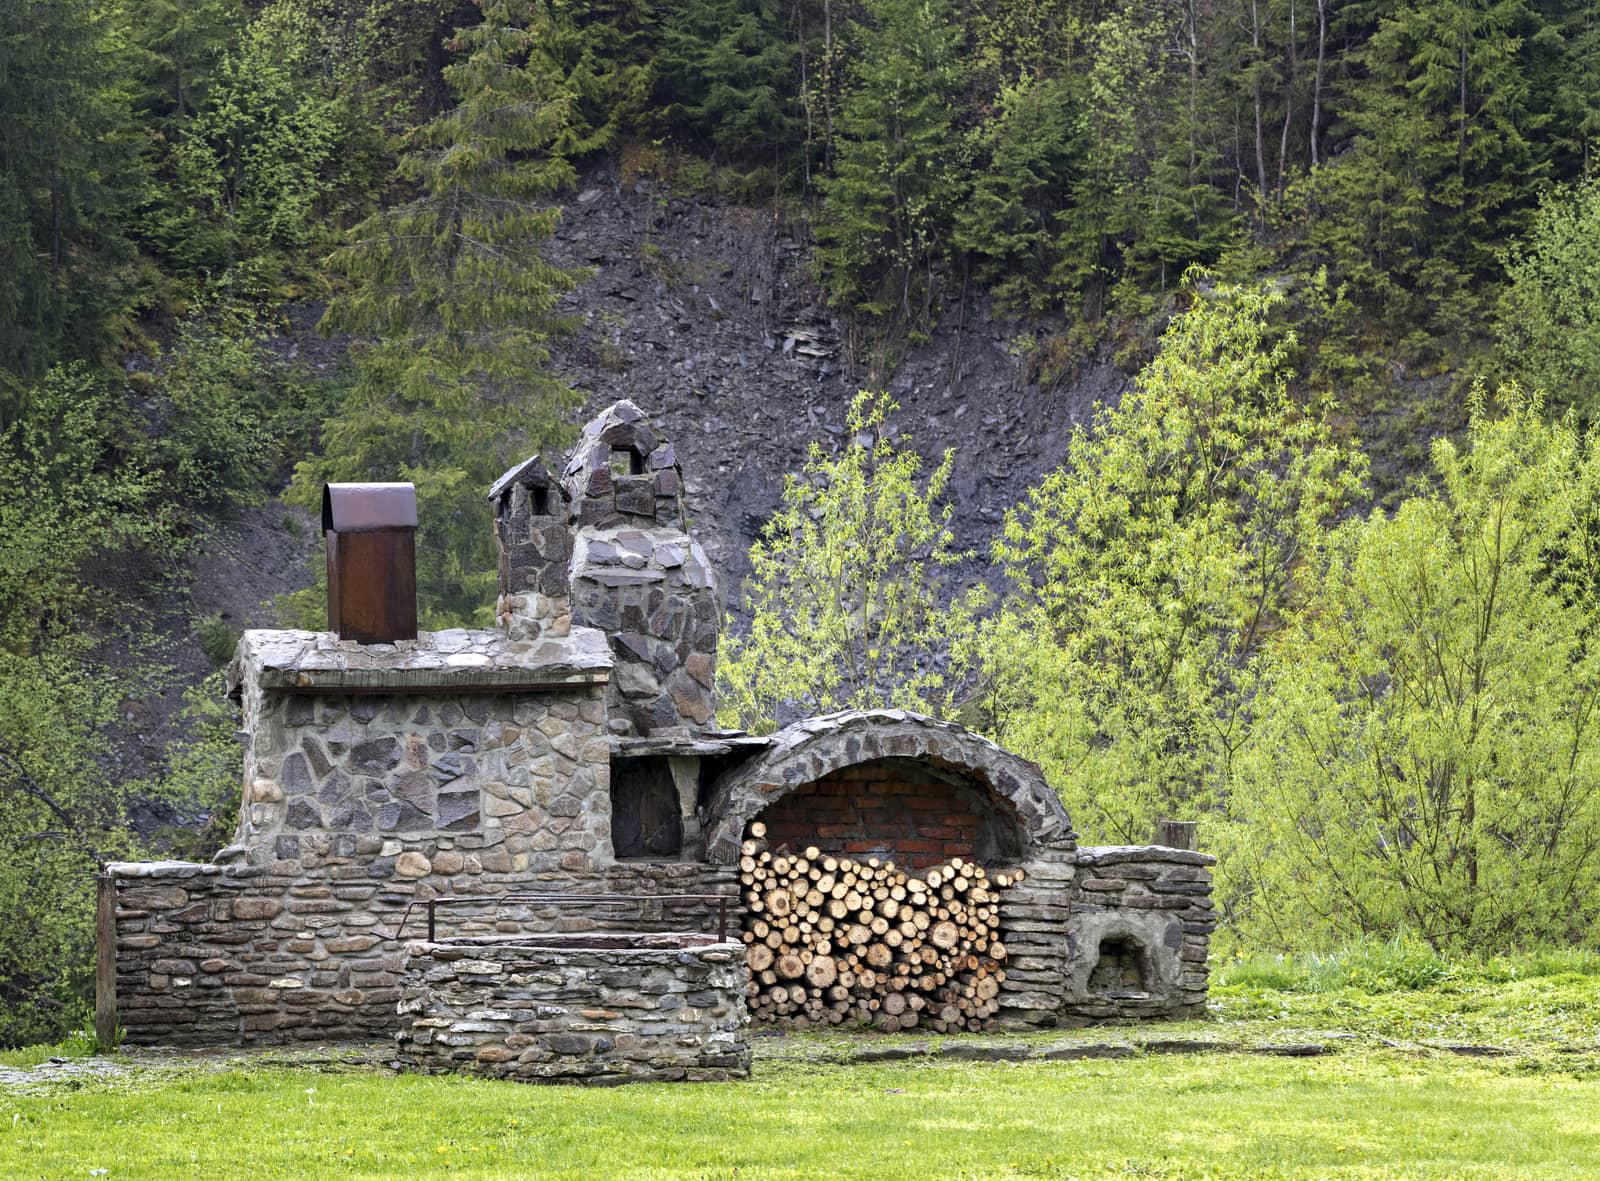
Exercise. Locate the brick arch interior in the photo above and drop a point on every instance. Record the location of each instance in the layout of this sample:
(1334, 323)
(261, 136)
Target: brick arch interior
(1018, 816)
(913, 811)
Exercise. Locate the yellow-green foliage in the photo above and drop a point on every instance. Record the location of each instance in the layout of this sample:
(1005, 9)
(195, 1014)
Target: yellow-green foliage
(1424, 752)
(1147, 573)
(1549, 326)
(843, 595)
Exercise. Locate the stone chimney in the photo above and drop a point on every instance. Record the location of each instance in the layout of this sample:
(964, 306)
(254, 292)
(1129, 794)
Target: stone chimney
(638, 577)
(533, 534)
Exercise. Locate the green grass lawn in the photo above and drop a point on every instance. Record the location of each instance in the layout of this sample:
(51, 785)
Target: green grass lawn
(1364, 1114)
(1386, 1101)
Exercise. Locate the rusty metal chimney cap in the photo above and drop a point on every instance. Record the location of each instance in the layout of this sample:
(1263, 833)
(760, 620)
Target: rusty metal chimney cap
(360, 508)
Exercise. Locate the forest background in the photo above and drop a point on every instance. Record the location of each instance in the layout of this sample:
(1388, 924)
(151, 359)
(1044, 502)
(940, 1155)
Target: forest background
(1381, 703)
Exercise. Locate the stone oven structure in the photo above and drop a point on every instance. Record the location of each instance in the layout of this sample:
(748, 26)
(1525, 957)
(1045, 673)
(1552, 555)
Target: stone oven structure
(573, 750)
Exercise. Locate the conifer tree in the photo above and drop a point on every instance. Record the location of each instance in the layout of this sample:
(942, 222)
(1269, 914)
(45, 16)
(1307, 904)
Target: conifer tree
(69, 171)
(724, 69)
(1572, 41)
(887, 209)
(602, 49)
(1102, 221)
(1444, 160)
(456, 304)
(175, 47)
(1011, 223)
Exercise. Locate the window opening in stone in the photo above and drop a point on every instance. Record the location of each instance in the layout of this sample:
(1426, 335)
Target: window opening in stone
(625, 461)
(1119, 969)
(541, 502)
(646, 822)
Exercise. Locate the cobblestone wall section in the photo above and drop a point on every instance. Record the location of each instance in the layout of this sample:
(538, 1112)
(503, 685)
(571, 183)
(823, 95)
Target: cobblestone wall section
(395, 777)
(644, 1010)
(1034, 916)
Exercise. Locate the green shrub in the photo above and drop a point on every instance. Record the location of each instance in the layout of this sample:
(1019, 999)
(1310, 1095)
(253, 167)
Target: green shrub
(218, 638)
(1398, 964)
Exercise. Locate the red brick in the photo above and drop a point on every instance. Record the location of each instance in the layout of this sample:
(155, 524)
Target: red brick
(861, 846)
(913, 845)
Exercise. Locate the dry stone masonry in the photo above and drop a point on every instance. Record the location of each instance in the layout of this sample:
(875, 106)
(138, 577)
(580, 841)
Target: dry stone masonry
(592, 1009)
(639, 578)
(572, 749)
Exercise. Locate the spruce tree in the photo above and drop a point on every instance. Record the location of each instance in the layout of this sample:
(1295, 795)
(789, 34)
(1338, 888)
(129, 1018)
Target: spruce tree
(723, 72)
(69, 172)
(1571, 42)
(175, 47)
(1012, 222)
(887, 209)
(455, 304)
(602, 50)
(1444, 162)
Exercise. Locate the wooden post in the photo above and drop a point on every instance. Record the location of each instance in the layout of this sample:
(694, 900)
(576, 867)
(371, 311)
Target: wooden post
(105, 961)
(1178, 834)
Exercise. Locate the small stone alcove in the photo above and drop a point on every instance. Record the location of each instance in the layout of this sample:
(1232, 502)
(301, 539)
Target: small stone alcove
(1121, 968)
(646, 817)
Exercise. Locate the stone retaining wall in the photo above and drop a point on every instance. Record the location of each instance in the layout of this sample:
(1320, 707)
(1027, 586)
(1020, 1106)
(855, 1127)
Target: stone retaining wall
(585, 1009)
(239, 955)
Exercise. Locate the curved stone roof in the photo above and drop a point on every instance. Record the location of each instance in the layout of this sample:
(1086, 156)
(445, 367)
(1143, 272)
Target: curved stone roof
(808, 750)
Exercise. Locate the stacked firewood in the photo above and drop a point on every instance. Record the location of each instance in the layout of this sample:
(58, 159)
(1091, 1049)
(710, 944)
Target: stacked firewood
(832, 939)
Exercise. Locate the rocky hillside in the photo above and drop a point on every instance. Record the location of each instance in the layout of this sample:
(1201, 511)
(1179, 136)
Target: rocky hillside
(705, 314)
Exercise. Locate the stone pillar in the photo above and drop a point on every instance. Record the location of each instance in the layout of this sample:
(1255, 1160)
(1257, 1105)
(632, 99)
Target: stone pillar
(638, 577)
(686, 777)
(652, 593)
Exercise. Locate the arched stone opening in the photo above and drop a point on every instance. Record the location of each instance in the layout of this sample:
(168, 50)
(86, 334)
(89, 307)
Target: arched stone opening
(1121, 968)
(913, 812)
(843, 767)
